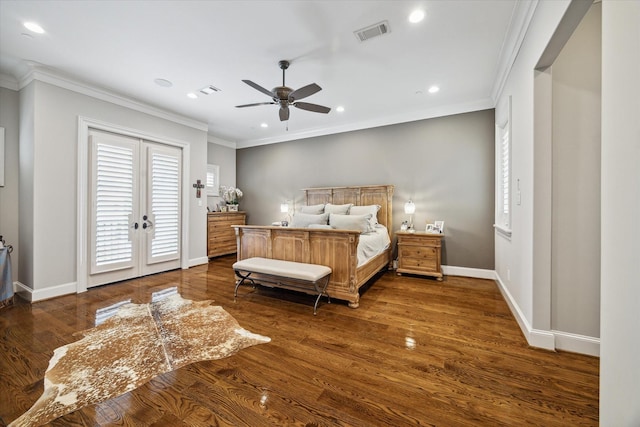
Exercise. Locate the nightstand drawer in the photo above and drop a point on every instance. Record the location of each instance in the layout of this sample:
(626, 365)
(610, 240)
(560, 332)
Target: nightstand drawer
(417, 252)
(425, 264)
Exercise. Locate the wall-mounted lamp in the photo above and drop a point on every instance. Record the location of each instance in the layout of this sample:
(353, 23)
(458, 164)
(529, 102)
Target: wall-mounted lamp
(410, 209)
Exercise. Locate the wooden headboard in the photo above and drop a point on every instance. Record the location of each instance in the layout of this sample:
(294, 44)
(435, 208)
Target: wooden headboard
(360, 196)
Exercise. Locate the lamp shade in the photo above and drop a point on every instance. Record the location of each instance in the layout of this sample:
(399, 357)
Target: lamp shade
(409, 208)
(284, 207)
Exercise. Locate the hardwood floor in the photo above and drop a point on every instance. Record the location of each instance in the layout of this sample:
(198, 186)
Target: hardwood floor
(416, 352)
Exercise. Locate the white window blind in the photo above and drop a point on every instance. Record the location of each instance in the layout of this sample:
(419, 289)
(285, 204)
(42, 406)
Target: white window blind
(503, 168)
(165, 205)
(505, 174)
(213, 180)
(113, 204)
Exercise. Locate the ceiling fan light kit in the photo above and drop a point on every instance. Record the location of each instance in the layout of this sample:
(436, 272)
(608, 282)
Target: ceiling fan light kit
(285, 96)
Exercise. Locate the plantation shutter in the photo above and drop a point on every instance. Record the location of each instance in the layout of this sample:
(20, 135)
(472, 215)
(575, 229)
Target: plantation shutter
(164, 203)
(113, 199)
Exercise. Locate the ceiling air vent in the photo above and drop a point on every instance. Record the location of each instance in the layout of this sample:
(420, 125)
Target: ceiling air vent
(379, 29)
(208, 90)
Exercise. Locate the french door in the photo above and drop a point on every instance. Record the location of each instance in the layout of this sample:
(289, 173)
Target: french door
(134, 207)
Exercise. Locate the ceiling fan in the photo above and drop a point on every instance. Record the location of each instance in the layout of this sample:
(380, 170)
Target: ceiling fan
(285, 96)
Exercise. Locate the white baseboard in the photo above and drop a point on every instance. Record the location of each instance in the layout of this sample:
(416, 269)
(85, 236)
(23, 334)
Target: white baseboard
(35, 295)
(478, 273)
(549, 340)
(576, 343)
(198, 261)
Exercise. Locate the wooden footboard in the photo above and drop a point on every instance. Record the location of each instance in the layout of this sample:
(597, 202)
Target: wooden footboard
(334, 248)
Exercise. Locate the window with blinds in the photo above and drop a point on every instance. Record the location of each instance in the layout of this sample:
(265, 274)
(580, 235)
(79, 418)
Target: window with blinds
(165, 205)
(213, 180)
(113, 204)
(503, 167)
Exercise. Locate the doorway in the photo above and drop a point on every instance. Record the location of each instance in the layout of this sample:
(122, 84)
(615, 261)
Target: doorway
(134, 207)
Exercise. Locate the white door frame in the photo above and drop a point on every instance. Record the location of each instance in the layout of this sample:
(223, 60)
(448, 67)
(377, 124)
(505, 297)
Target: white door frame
(84, 124)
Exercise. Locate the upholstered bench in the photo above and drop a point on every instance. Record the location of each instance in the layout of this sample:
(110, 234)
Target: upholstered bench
(310, 278)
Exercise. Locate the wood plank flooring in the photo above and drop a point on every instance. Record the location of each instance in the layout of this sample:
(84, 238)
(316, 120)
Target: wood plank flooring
(416, 352)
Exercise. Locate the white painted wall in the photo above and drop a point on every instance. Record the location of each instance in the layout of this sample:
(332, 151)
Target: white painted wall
(48, 167)
(620, 296)
(514, 258)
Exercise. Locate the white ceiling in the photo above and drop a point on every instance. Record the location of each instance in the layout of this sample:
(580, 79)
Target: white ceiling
(122, 46)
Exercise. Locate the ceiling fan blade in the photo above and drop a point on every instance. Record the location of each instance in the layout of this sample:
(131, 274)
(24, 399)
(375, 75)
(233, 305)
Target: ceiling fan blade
(284, 114)
(260, 88)
(303, 92)
(312, 107)
(253, 105)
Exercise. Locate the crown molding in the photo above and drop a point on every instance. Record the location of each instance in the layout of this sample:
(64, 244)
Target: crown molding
(219, 141)
(441, 111)
(8, 82)
(46, 75)
(518, 26)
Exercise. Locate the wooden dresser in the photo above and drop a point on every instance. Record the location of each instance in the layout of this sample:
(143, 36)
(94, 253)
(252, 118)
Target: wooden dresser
(221, 237)
(420, 253)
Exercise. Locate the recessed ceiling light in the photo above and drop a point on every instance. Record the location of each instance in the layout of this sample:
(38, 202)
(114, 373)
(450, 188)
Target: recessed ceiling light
(192, 95)
(264, 125)
(163, 82)
(434, 89)
(416, 16)
(32, 26)
(340, 109)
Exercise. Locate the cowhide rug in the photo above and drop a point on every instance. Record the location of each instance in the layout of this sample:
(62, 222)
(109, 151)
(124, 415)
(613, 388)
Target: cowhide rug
(138, 343)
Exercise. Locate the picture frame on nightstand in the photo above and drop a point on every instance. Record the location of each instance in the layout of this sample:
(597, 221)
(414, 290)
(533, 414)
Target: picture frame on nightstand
(438, 226)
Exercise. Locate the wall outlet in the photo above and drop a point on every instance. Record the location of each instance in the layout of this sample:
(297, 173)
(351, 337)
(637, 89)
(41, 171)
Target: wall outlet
(395, 264)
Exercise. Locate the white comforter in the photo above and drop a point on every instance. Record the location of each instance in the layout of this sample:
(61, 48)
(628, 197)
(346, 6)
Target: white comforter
(372, 244)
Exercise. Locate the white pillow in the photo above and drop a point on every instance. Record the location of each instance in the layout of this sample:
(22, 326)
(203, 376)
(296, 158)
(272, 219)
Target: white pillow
(337, 209)
(363, 210)
(314, 209)
(360, 223)
(321, 226)
(303, 220)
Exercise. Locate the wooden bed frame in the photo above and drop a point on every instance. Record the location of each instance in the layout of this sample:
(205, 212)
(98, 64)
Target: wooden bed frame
(334, 248)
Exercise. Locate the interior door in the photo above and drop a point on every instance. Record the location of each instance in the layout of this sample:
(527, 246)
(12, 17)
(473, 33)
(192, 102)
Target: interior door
(135, 206)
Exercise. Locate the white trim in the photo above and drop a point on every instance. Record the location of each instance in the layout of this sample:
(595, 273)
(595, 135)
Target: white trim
(502, 231)
(197, 261)
(37, 72)
(518, 27)
(9, 82)
(535, 337)
(477, 273)
(219, 141)
(577, 343)
(441, 111)
(35, 295)
(84, 124)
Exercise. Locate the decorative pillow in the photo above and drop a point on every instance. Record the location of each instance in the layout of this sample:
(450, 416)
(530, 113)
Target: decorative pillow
(314, 209)
(363, 210)
(303, 220)
(360, 223)
(337, 209)
(321, 226)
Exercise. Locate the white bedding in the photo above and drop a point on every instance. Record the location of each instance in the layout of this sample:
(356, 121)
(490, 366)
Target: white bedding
(372, 244)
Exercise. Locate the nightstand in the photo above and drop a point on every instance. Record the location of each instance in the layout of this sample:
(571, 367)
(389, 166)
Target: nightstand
(419, 253)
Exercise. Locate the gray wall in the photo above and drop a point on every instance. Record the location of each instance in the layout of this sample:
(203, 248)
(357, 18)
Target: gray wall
(575, 237)
(9, 120)
(48, 179)
(445, 165)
